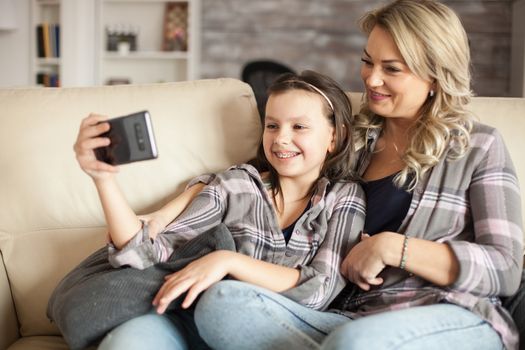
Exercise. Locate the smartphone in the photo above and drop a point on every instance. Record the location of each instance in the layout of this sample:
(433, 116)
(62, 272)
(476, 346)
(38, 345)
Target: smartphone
(131, 138)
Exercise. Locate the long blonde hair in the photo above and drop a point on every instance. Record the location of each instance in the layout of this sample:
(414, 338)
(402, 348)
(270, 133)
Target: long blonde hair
(435, 47)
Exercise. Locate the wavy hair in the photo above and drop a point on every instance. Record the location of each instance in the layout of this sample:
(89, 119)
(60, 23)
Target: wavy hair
(339, 164)
(434, 45)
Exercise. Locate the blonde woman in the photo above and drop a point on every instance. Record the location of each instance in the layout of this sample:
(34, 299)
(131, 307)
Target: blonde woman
(443, 233)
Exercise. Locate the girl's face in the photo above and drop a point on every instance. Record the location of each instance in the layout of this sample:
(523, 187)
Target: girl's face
(297, 134)
(393, 91)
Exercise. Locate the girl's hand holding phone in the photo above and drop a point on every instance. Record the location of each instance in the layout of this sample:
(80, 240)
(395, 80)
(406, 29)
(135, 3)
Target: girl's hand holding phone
(88, 139)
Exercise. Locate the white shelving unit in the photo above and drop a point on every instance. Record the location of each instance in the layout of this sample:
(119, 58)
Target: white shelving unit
(43, 11)
(149, 63)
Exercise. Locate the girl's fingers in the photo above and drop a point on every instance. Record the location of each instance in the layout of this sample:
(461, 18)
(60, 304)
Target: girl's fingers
(169, 281)
(93, 119)
(193, 293)
(172, 293)
(90, 144)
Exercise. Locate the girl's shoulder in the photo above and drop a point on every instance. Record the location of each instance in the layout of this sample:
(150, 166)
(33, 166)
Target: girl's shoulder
(346, 190)
(240, 172)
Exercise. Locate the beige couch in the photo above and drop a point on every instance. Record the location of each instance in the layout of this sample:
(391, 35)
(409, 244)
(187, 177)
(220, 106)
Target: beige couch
(50, 217)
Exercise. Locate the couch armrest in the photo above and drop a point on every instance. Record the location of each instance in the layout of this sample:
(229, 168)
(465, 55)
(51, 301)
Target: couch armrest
(8, 319)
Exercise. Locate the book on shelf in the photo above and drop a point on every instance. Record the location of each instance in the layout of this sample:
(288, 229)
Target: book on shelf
(48, 79)
(48, 40)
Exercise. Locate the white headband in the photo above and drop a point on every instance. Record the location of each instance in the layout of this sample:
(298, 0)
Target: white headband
(322, 94)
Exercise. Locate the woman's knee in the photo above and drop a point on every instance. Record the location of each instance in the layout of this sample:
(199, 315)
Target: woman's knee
(441, 326)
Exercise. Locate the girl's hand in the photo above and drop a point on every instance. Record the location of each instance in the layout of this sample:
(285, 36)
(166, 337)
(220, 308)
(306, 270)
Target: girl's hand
(365, 261)
(194, 278)
(88, 139)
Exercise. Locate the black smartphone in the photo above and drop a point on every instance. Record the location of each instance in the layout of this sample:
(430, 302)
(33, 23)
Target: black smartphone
(131, 140)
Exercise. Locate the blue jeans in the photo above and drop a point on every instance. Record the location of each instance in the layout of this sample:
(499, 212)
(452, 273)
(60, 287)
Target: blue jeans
(237, 315)
(172, 331)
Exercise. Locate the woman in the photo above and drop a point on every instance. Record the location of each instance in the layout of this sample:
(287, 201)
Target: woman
(443, 227)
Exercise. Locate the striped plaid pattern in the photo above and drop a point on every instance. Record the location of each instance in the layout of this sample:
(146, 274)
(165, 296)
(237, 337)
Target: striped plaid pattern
(472, 204)
(237, 197)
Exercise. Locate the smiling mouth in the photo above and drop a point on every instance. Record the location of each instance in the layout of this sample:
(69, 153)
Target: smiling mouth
(377, 94)
(285, 155)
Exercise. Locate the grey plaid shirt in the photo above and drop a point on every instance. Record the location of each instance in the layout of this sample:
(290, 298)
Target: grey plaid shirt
(321, 238)
(473, 204)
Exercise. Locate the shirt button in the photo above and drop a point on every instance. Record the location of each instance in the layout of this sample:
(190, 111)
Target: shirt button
(288, 254)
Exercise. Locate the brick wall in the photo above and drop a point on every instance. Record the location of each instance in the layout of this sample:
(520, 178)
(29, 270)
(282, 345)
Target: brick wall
(323, 35)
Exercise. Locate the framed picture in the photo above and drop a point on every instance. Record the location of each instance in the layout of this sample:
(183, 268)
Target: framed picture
(175, 27)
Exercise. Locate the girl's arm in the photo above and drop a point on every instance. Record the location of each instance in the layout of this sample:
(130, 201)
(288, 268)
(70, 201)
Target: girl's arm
(159, 219)
(204, 212)
(203, 272)
(121, 220)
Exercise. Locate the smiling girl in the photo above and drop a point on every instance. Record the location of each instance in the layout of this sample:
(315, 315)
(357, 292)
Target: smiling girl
(292, 223)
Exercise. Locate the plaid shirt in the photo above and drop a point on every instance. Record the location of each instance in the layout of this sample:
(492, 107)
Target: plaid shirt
(321, 238)
(472, 204)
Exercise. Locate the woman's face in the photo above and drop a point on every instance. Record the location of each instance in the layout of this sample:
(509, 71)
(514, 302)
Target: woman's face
(393, 91)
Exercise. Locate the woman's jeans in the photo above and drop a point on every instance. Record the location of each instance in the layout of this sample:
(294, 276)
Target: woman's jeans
(237, 315)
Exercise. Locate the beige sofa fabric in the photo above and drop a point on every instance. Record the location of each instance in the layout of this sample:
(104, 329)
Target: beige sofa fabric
(50, 217)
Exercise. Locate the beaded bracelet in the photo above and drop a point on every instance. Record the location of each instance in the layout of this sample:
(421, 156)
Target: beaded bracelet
(403, 262)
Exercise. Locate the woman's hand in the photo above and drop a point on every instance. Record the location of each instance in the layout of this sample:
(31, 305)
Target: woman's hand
(88, 139)
(367, 259)
(194, 278)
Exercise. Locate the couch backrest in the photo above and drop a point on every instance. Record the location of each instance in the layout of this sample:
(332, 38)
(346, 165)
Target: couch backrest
(505, 114)
(50, 216)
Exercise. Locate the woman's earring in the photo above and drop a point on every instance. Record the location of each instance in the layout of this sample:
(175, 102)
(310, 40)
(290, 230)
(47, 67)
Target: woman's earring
(431, 93)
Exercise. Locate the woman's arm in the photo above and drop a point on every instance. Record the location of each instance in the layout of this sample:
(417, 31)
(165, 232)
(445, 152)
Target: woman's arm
(492, 264)
(433, 261)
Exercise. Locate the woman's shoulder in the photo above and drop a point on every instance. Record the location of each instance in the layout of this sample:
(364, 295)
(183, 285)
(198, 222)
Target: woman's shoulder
(485, 136)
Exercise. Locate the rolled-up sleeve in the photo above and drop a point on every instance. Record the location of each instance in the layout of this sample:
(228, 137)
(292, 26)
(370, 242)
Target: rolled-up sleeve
(204, 212)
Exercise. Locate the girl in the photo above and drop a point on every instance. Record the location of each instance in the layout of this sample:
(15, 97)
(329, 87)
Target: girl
(292, 224)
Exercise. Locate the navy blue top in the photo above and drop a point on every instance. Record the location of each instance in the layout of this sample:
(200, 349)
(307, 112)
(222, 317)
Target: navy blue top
(287, 231)
(386, 205)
